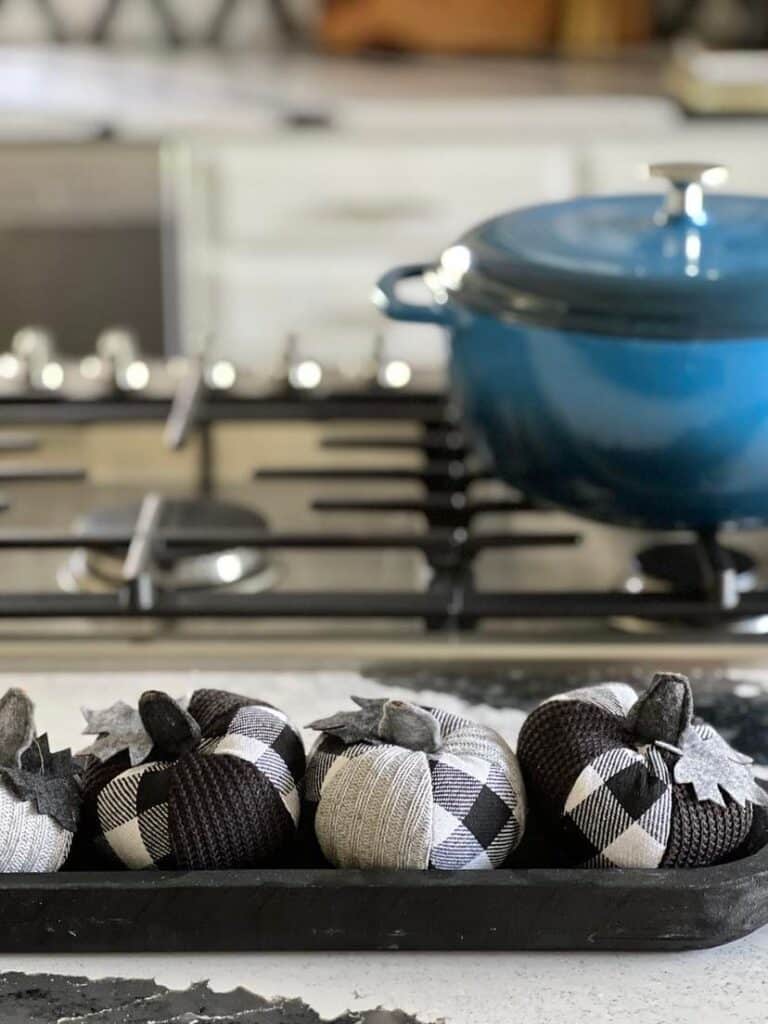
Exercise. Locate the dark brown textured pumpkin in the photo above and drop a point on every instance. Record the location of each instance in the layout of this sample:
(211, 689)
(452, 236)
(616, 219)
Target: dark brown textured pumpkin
(218, 789)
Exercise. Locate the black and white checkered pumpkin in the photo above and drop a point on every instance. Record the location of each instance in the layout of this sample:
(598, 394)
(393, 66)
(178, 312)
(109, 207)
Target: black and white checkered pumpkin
(603, 771)
(395, 785)
(218, 787)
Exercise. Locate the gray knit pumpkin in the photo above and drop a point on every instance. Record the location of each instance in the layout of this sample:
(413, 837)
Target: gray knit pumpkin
(395, 785)
(39, 793)
(206, 784)
(622, 781)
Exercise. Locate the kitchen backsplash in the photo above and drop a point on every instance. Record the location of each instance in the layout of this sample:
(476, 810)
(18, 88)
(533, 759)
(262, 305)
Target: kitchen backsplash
(228, 23)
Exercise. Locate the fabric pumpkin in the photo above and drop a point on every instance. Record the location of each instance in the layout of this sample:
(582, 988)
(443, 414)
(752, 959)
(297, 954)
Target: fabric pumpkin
(395, 785)
(39, 793)
(619, 781)
(215, 786)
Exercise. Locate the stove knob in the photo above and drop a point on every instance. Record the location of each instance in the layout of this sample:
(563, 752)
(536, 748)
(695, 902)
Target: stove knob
(34, 348)
(301, 372)
(118, 352)
(391, 374)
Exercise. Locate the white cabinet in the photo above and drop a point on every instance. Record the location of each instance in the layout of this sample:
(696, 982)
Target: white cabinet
(331, 197)
(620, 166)
(289, 234)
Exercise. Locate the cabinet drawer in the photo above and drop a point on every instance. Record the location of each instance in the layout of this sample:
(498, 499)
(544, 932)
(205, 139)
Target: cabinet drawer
(324, 195)
(620, 167)
(257, 304)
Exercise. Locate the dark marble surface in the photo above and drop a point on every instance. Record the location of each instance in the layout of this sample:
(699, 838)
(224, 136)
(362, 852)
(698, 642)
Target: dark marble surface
(736, 705)
(50, 998)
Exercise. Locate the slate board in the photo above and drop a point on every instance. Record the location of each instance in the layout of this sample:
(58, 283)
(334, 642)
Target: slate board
(35, 998)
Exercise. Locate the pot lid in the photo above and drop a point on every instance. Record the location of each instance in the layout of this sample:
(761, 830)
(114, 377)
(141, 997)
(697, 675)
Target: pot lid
(685, 266)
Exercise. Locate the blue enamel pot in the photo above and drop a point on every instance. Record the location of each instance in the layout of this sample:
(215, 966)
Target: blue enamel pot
(611, 353)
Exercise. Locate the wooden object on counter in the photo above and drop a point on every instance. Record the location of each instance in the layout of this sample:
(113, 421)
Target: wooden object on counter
(719, 82)
(447, 26)
(597, 28)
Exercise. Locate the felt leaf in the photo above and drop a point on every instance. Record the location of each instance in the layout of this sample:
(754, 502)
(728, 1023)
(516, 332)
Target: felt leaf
(49, 780)
(353, 726)
(119, 728)
(384, 721)
(712, 767)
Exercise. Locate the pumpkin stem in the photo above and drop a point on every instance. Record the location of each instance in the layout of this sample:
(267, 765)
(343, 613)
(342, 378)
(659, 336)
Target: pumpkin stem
(385, 721)
(172, 729)
(664, 711)
(17, 726)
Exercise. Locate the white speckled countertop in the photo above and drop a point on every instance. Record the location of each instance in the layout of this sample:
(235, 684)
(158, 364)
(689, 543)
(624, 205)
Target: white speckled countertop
(719, 986)
(728, 984)
(67, 91)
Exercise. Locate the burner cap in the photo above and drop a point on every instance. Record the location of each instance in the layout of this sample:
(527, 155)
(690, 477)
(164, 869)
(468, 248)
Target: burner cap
(681, 568)
(88, 570)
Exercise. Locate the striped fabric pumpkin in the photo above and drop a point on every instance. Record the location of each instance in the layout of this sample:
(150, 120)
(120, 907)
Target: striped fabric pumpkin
(219, 788)
(395, 785)
(600, 764)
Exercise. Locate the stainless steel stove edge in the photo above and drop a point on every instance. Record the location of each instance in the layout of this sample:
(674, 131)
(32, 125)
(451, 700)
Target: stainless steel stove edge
(285, 653)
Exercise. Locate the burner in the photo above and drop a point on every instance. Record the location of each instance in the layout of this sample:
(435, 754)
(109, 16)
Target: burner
(682, 568)
(90, 571)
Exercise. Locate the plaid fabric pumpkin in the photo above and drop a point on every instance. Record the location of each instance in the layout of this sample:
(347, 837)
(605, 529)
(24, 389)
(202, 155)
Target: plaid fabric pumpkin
(218, 788)
(395, 785)
(600, 768)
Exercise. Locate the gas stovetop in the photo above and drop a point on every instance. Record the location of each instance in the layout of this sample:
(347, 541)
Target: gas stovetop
(191, 502)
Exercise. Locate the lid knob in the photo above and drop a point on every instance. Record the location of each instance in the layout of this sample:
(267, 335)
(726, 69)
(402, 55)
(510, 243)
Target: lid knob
(685, 198)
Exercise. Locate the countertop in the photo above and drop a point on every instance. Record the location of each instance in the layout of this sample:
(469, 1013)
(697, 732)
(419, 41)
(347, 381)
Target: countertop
(722, 986)
(718, 986)
(71, 91)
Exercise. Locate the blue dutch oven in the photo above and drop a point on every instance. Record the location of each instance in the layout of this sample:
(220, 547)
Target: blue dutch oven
(612, 351)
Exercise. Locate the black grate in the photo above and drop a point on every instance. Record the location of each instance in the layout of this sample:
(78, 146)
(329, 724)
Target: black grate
(449, 544)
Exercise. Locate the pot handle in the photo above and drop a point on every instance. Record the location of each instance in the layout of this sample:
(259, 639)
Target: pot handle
(385, 298)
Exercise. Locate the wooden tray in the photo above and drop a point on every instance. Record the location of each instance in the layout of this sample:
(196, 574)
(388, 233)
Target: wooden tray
(323, 909)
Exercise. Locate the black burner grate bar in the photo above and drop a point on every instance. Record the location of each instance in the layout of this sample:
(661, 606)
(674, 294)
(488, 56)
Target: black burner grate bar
(223, 539)
(390, 605)
(719, 574)
(40, 474)
(450, 471)
(424, 407)
(19, 443)
(444, 442)
(456, 503)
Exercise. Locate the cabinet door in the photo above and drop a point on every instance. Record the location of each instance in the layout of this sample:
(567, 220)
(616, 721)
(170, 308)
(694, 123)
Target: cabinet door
(324, 196)
(296, 233)
(620, 167)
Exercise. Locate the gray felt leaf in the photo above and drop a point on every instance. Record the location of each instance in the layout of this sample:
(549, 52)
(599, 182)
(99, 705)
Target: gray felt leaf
(117, 728)
(353, 726)
(381, 720)
(713, 767)
(49, 780)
